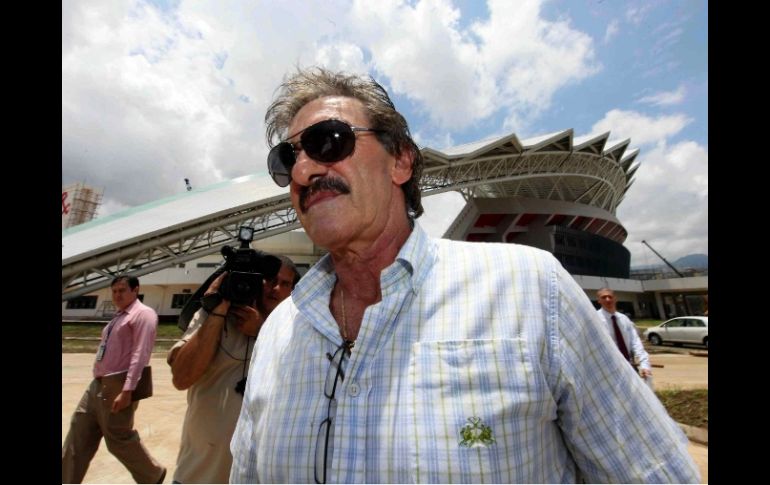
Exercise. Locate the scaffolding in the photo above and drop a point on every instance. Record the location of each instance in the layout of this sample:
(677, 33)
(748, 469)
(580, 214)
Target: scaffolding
(78, 204)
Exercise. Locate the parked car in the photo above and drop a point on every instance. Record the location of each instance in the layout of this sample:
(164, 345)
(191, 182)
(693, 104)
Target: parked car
(688, 330)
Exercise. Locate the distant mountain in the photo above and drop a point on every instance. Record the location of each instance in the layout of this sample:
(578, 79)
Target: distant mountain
(696, 261)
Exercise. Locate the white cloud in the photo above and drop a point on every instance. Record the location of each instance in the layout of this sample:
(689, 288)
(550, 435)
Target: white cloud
(437, 141)
(110, 206)
(424, 56)
(143, 105)
(158, 96)
(440, 211)
(642, 129)
(342, 56)
(665, 98)
(636, 14)
(668, 204)
(150, 98)
(514, 61)
(612, 30)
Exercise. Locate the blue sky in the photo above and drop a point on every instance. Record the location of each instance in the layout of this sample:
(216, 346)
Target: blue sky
(157, 91)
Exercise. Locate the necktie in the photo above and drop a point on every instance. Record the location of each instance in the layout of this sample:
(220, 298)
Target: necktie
(619, 339)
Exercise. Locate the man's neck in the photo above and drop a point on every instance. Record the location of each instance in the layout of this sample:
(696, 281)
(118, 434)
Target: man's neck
(358, 268)
(126, 307)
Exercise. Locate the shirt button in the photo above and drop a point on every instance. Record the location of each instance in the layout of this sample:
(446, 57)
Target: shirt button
(353, 389)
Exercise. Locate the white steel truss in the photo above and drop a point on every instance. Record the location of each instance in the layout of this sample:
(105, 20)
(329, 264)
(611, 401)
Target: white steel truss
(164, 250)
(573, 177)
(552, 171)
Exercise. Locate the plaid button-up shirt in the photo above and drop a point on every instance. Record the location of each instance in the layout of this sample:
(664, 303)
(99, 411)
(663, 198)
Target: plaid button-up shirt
(481, 363)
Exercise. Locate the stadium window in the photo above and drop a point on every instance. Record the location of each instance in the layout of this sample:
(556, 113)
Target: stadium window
(82, 302)
(180, 299)
(207, 265)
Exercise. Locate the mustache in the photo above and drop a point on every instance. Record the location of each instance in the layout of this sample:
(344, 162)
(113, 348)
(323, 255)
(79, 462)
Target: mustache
(322, 184)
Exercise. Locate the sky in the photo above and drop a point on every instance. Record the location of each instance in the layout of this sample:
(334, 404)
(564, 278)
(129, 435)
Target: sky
(157, 91)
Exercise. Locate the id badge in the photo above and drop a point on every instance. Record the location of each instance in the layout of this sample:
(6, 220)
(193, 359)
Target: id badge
(100, 352)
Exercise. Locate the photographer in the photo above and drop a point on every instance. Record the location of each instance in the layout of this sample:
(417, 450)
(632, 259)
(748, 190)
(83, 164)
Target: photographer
(211, 362)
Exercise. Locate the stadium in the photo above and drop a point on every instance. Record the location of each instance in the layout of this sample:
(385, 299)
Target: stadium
(553, 192)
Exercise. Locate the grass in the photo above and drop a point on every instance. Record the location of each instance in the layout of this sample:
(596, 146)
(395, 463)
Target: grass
(689, 407)
(167, 334)
(647, 323)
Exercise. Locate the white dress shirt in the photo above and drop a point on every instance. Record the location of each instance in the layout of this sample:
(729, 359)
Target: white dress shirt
(630, 336)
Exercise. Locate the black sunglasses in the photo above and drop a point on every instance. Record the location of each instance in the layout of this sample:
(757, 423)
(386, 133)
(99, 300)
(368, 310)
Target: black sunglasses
(327, 141)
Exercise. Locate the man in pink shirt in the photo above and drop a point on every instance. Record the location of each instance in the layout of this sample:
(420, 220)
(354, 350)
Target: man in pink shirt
(125, 347)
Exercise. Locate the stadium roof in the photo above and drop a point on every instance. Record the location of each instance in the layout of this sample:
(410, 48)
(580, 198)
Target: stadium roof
(187, 226)
(168, 231)
(589, 170)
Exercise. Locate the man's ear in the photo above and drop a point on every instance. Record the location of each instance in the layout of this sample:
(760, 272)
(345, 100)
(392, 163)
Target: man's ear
(402, 170)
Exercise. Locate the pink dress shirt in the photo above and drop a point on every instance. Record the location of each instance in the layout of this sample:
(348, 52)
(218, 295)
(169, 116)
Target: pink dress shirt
(129, 336)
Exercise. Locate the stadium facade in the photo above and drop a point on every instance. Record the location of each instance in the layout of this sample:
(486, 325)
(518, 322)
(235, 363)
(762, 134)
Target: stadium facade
(553, 192)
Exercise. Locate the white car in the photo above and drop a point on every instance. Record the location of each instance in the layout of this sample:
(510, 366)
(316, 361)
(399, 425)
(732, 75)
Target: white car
(688, 330)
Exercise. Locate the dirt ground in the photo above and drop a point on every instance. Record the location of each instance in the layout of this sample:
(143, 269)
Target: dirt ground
(159, 418)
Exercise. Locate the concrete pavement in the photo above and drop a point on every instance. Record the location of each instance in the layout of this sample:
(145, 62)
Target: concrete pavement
(159, 418)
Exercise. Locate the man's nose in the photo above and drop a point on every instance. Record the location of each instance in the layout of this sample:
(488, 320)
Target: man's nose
(305, 169)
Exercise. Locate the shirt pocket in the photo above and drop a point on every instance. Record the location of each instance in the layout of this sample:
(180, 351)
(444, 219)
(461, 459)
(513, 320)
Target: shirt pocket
(473, 407)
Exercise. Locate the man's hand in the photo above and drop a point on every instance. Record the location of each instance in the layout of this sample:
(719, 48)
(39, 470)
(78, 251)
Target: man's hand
(214, 286)
(248, 320)
(645, 372)
(122, 401)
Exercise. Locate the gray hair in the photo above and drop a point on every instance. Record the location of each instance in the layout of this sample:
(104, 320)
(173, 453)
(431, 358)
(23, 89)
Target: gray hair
(286, 261)
(307, 85)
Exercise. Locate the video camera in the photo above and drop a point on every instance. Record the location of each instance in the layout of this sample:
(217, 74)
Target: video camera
(246, 268)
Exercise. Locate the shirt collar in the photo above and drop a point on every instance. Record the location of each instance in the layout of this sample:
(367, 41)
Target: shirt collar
(417, 256)
(605, 312)
(130, 308)
(411, 266)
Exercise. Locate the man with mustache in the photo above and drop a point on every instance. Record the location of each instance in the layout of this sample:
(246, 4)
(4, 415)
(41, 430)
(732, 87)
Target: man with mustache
(400, 358)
